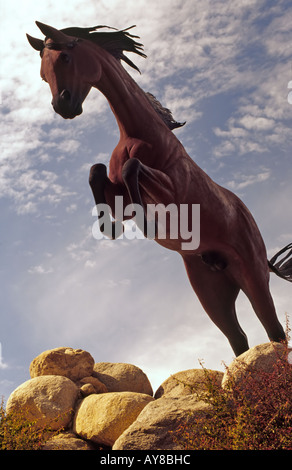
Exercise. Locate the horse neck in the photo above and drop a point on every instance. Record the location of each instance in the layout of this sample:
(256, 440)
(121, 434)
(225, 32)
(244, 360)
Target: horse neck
(127, 100)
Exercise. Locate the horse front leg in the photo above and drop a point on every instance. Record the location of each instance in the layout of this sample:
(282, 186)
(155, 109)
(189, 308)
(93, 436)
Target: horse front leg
(157, 188)
(130, 173)
(99, 182)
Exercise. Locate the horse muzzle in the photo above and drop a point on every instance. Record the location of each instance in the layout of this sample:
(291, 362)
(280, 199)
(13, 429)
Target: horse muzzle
(64, 105)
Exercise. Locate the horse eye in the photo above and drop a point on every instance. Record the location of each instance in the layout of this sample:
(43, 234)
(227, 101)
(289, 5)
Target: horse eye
(65, 57)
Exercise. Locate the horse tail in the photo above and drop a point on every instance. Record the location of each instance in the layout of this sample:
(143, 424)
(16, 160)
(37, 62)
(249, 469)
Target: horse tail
(283, 267)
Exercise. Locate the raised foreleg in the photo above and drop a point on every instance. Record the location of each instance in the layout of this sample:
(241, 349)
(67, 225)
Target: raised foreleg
(131, 171)
(104, 192)
(146, 185)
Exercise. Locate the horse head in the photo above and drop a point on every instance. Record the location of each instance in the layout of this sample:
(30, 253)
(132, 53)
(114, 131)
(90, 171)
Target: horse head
(72, 60)
(63, 66)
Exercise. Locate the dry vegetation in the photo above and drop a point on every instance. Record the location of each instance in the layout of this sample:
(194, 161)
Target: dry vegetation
(253, 414)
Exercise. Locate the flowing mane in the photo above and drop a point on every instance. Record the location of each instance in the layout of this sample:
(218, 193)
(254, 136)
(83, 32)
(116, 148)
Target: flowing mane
(115, 42)
(164, 113)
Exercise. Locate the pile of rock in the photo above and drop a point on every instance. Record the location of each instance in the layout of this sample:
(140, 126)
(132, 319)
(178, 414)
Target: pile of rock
(111, 405)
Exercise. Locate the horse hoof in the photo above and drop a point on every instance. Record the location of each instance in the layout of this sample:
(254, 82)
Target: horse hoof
(97, 173)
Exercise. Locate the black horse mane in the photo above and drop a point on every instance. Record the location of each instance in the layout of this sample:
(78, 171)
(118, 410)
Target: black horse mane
(164, 113)
(115, 42)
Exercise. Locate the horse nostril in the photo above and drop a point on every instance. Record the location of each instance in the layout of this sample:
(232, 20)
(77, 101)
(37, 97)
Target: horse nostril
(65, 95)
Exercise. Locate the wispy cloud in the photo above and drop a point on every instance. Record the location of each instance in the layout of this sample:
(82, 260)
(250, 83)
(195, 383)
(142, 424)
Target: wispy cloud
(3, 365)
(242, 181)
(40, 270)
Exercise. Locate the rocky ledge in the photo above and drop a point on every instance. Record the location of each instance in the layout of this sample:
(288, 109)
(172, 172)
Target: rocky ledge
(112, 405)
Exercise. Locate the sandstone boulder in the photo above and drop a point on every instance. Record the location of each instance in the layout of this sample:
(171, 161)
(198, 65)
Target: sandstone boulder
(191, 381)
(153, 428)
(67, 441)
(120, 377)
(98, 386)
(48, 400)
(261, 357)
(72, 363)
(87, 389)
(103, 418)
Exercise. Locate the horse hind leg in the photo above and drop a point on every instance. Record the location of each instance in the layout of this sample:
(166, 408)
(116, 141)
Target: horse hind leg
(217, 294)
(256, 288)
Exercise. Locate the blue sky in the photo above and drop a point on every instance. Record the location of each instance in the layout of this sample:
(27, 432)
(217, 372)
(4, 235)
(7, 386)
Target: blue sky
(224, 67)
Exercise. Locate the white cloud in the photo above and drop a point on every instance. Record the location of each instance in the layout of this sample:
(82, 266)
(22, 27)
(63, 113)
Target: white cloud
(3, 365)
(40, 270)
(257, 123)
(71, 208)
(181, 104)
(245, 181)
(90, 264)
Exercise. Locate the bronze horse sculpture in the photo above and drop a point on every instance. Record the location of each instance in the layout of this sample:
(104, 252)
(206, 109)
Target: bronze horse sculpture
(149, 165)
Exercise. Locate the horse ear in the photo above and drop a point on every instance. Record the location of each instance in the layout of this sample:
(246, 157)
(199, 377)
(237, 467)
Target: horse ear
(37, 44)
(52, 33)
